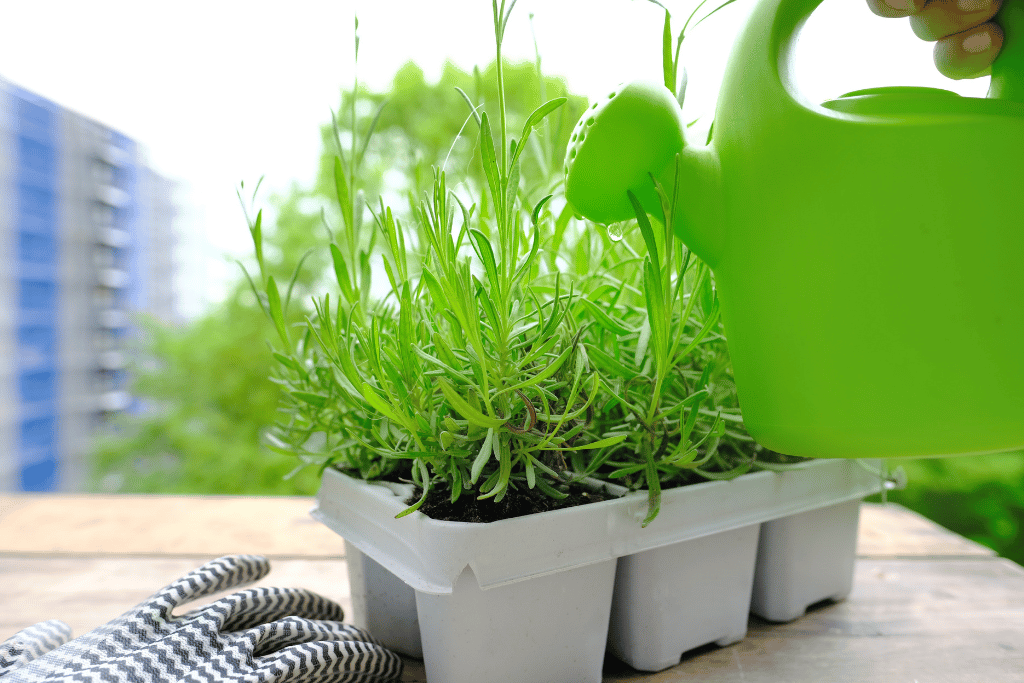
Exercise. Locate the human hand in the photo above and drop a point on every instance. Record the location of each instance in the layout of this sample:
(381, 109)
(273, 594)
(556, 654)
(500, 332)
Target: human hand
(966, 39)
(260, 635)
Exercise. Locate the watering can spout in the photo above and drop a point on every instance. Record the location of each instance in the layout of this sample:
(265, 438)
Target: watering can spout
(631, 142)
(698, 219)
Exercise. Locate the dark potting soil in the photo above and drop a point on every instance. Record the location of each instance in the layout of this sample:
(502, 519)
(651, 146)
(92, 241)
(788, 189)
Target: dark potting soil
(522, 501)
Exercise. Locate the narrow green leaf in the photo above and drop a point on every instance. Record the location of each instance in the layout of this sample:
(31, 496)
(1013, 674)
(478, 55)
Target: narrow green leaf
(535, 215)
(369, 134)
(490, 163)
(316, 400)
(529, 259)
(342, 190)
(653, 488)
(291, 364)
(551, 369)
(274, 304)
(531, 474)
(626, 471)
(608, 363)
(483, 249)
(657, 312)
(512, 187)
(295, 277)
(606, 321)
(502, 453)
(379, 404)
(542, 111)
(667, 63)
(472, 107)
(365, 276)
(461, 406)
(252, 285)
(455, 477)
(648, 233)
(257, 237)
(600, 443)
(482, 457)
(535, 118)
(425, 481)
(549, 490)
(341, 273)
(642, 341)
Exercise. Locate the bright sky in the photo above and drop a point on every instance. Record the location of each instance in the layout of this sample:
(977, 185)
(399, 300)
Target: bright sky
(219, 91)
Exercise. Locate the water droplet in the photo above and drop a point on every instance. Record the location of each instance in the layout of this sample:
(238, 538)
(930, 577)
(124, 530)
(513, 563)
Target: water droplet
(616, 230)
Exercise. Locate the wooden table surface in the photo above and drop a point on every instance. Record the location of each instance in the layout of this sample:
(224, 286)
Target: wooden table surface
(928, 606)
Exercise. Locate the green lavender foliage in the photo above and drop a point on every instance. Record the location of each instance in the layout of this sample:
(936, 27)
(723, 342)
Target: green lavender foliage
(515, 345)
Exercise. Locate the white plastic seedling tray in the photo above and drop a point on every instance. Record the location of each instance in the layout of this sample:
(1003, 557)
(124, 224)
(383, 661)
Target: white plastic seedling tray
(429, 555)
(462, 576)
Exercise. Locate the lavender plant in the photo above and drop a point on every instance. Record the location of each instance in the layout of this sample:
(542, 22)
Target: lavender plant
(517, 347)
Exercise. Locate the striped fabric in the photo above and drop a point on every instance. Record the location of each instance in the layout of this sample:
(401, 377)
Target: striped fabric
(259, 635)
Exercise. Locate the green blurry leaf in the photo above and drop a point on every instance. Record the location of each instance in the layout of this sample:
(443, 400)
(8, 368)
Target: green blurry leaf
(648, 234)
(535, 214)
(274, 306)
(606, 321)
(379, 404)
(342, 191)
(667, 62)
(341, 273)
(490, 162)
(313, 399)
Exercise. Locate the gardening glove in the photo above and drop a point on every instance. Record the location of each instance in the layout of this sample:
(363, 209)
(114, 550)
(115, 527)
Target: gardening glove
(32, 643)
(259, 635)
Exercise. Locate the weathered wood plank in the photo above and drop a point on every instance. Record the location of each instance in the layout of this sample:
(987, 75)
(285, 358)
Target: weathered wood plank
(927, 620)
(196, 526)
(940, 621)
(892, 530)
(281, 527)
(927, 604)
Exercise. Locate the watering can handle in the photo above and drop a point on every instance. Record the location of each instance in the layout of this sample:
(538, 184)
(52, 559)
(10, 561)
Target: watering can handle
(777, 21)
(1008, 69)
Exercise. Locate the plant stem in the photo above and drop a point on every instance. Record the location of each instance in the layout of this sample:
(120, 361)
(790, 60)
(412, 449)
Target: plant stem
(499, 34)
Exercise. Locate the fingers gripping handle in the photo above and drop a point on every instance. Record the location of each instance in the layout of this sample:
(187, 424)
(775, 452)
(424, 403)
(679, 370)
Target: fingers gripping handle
(765, 51)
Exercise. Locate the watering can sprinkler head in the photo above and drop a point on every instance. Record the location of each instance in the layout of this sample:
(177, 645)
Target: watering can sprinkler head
(616, 147)
(627, 142)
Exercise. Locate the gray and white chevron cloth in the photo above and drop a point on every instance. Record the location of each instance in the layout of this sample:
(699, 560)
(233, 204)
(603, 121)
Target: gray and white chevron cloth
(259, 635)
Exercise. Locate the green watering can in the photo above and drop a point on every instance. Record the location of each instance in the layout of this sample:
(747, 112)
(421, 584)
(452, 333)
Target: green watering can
(868, 252)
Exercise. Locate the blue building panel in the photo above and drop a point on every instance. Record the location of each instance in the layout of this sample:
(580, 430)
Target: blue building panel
(37, 386)
(38, 469)
(35, 115)
(36, 248)
(36, 346)
(35, 183)
(35, 295)
(38, 162)
(39, 433)
(37, 208)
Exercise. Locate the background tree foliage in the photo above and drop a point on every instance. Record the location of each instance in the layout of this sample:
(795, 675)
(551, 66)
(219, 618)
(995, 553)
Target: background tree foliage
(205, 383)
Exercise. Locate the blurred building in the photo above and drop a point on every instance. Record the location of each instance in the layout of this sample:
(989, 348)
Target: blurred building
(86, 239)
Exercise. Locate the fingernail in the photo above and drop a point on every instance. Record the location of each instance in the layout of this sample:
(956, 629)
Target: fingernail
(902, 5)
(978, 42)
(973, 5)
